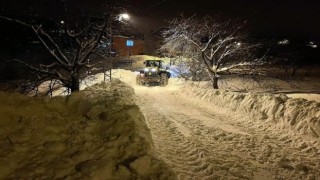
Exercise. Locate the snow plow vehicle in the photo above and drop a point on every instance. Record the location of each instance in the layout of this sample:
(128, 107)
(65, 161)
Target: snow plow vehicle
(153, 73)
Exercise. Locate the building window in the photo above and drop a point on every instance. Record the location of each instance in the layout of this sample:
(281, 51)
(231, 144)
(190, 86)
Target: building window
(130, 43)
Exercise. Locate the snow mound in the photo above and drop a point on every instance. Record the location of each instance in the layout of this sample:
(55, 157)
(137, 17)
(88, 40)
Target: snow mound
(127, 76)
(95, 134)
(291, 115)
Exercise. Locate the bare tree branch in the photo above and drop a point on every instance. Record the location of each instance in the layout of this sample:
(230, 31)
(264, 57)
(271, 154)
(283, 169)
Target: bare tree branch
(216, 43)
(71, 46)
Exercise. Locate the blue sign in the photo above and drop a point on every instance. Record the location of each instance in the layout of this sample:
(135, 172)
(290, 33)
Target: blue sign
(130, 43)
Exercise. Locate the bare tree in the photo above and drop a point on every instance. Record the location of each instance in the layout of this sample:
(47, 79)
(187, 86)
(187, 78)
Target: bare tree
(76, 47)
(295, 56)
(219, 47)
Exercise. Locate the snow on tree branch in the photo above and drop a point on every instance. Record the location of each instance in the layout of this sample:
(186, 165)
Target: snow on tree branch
(220, 45)
(74, 46)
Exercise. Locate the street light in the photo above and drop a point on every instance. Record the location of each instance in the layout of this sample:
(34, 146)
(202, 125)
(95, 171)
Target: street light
(124, 16)
(120, 17)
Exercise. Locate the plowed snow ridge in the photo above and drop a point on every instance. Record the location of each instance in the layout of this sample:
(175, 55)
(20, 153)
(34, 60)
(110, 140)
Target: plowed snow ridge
(299, 115)
(96, 134)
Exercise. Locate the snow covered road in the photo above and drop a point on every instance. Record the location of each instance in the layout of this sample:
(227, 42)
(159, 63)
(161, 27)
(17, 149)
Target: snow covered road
(202, 143)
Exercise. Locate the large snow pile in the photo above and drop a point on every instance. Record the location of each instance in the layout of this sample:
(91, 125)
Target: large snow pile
(291, 115)
(95, 134)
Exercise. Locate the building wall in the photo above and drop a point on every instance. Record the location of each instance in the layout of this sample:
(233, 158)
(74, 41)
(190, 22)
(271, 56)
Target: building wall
(121, 48)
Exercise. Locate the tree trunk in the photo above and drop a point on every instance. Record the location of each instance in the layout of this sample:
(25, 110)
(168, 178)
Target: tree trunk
(75, 84)
(307, 72)
(214, 79)
(215, 82)
(294, 70)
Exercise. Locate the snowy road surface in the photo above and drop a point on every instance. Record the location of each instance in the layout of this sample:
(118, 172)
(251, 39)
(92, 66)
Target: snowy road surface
(216, 144)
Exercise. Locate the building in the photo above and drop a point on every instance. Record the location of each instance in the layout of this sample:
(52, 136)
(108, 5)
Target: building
(127, 46)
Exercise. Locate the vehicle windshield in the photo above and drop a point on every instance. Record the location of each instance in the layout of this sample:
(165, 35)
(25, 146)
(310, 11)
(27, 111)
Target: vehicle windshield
(153, 64)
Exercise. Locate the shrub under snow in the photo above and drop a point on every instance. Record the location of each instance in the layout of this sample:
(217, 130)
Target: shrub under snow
(295, 115)
(95, 134)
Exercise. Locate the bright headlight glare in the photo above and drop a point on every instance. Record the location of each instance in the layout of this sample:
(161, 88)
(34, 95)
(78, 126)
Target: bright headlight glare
(146, 69)
(153, 70)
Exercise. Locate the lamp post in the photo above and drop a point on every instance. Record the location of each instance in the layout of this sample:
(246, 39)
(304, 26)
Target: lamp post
(121, 17)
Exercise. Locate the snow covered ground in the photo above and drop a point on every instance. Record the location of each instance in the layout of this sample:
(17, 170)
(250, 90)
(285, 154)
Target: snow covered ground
(198, 132)
(206, 134)
(96, 134)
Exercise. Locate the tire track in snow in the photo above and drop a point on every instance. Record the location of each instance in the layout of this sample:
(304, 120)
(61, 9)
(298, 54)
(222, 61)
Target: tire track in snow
(279, 156)
(180, 152)
(211, 144)
(223, 162)
(190, 157)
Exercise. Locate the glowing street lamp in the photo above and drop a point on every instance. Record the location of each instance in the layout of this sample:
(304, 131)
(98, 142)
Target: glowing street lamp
(124, 16)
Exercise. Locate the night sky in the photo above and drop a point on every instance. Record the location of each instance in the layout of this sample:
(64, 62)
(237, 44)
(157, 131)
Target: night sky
(278, 18)
(270, 18)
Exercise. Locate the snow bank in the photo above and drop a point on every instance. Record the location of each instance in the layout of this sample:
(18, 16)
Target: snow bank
(95, 134)
(292, 115)
(307, 96)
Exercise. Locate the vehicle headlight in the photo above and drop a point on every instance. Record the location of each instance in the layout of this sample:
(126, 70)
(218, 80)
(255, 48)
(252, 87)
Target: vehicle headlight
(153, 70)
(146, 69)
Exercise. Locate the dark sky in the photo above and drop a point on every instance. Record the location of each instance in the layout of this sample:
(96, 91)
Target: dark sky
(279, 18)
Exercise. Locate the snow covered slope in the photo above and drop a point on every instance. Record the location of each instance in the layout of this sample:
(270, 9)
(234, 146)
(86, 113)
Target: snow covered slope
(289, 115)
(96, 134)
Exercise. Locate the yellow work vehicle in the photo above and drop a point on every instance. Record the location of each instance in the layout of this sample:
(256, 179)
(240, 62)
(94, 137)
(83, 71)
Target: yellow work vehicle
(153, 73)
